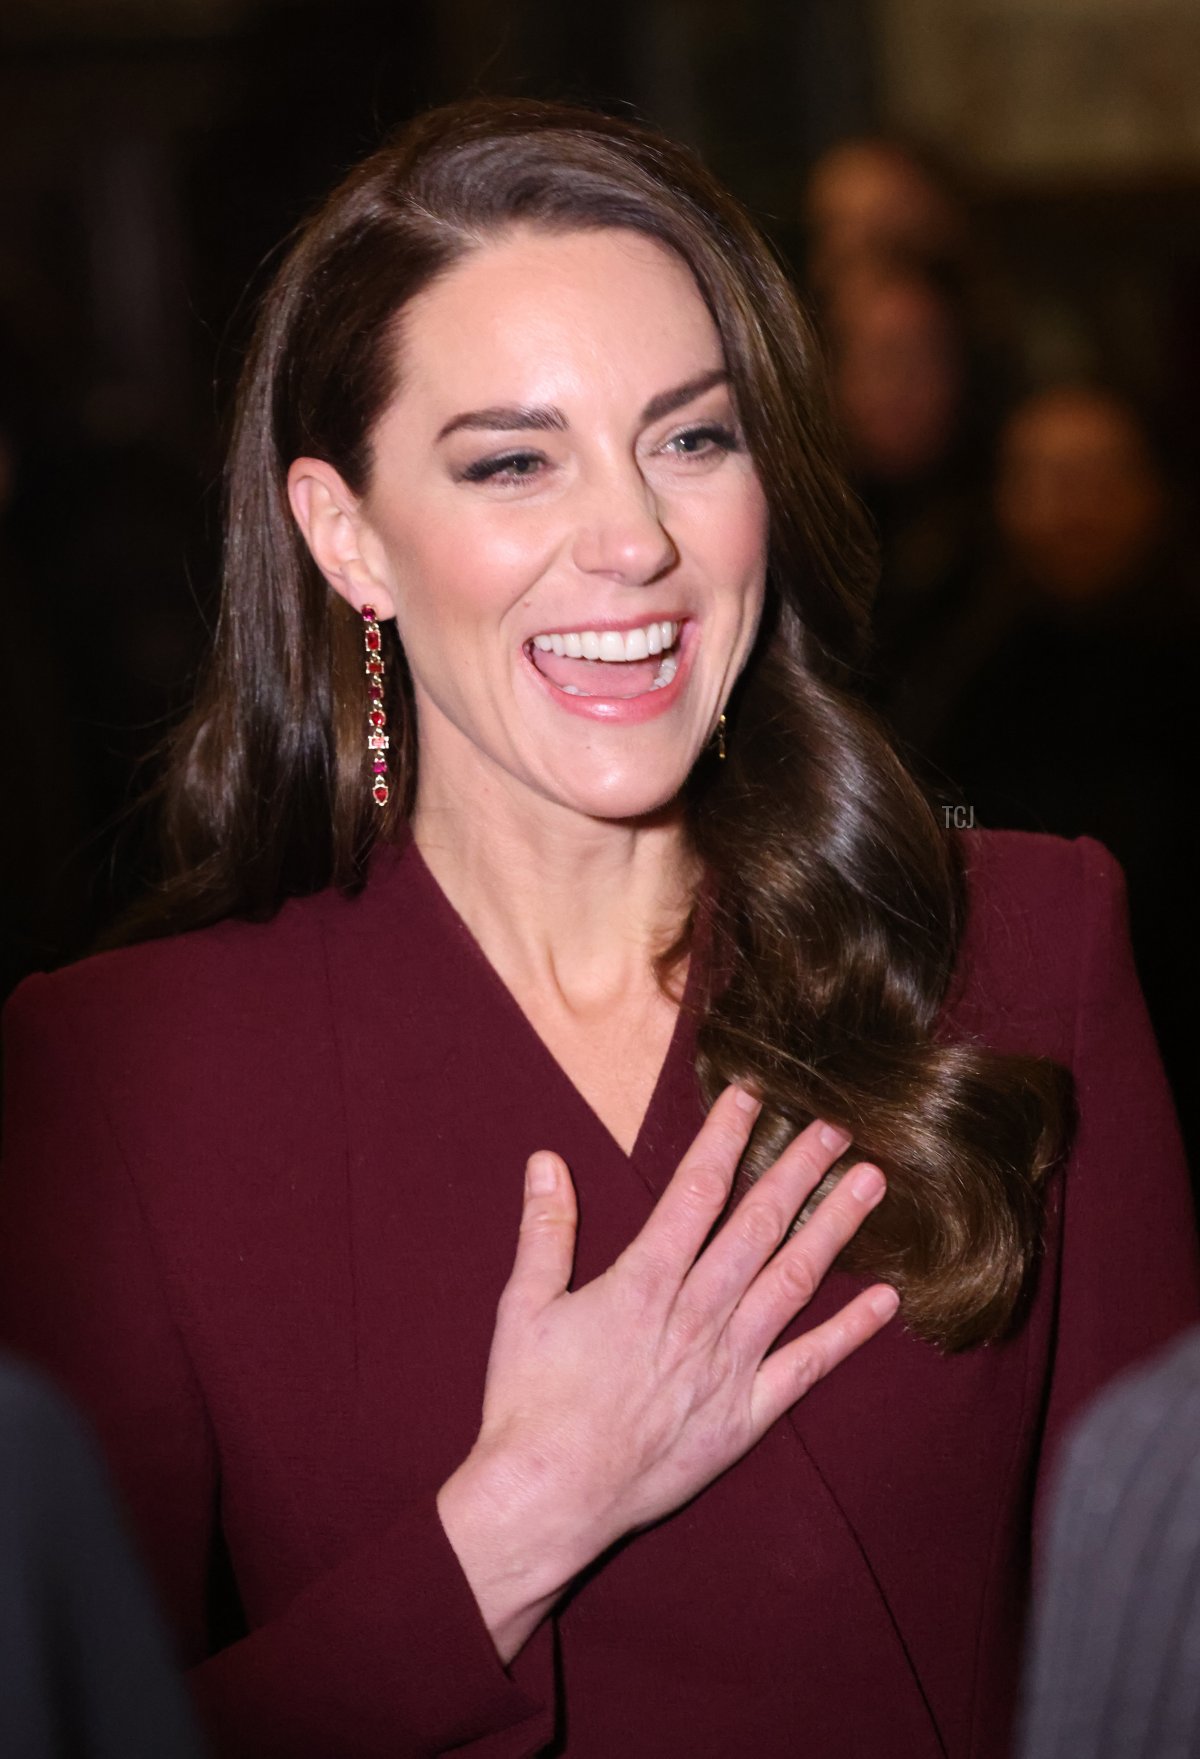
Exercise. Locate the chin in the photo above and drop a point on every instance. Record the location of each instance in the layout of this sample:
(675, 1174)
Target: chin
(627, 797)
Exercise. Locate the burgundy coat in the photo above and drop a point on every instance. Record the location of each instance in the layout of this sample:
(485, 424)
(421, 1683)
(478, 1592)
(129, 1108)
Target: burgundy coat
(261, 1194)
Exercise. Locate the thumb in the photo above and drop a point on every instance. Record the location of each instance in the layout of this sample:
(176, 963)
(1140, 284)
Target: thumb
(546, 1244)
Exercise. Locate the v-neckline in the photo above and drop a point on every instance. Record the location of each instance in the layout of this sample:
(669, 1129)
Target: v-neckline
(679, 1046)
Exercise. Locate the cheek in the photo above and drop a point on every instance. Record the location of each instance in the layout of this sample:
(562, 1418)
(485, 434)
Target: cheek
(446, 617)
(453, 584)
(741, 538)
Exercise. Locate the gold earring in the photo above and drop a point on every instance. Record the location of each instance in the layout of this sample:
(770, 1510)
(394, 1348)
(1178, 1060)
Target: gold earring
(721, 738)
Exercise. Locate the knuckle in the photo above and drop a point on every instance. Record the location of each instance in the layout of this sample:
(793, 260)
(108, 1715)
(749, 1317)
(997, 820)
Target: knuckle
(819, 1231)
(643, 1275)
(723, 1139)
(820, 1200)
(806, 1371)
(798, 1278)
(813, 1159)
(516, 1302)
(543, 1220)
(687, 1324)
(762, 1225)
(705, 1186)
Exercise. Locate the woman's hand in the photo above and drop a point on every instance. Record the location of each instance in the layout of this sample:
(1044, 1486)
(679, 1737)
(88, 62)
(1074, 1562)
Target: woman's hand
(608, 1407)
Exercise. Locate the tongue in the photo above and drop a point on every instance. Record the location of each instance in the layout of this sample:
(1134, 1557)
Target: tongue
(619, 678)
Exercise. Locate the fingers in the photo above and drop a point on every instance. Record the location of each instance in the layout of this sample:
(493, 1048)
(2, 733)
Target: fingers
(761, 1220)
(791, 1279)
(665, 1249)
(789, 1373)
(546, 1242)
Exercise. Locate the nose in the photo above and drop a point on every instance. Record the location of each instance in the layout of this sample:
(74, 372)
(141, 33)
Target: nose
(620, 532)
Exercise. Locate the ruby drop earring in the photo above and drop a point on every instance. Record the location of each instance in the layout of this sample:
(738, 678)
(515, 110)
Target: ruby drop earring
(377, 739)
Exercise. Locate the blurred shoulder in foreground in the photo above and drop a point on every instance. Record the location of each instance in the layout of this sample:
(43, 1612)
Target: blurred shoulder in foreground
(85, 1671)
(1113, 1670)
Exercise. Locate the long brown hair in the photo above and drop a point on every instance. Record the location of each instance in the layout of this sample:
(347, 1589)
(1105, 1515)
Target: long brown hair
(840, 894)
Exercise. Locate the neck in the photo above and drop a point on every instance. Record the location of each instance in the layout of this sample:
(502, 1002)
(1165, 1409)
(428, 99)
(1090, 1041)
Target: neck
(575, 908)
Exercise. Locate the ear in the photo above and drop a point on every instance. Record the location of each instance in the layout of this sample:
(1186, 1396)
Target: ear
(330, 517)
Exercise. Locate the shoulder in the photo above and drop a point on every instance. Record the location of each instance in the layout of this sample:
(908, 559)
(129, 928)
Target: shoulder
(1036, 875)
(49, 1462)
(35, 1422)
(1124, 1533)
(1038, 909)
(1126, 1507)
(1142, 1432)
(237, 966)
(173, 995)
(240, 1019)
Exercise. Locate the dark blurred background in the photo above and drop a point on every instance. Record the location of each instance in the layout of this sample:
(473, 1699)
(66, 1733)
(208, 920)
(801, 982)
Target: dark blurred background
(992, 207)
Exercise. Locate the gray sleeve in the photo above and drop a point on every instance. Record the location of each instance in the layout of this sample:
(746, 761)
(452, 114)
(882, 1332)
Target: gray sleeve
(85, 1670)
(1113, 1668)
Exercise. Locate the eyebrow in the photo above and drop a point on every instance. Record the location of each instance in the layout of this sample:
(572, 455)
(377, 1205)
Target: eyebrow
(504, 418)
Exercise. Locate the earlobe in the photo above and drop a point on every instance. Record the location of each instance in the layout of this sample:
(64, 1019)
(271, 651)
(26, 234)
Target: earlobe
(328, 514)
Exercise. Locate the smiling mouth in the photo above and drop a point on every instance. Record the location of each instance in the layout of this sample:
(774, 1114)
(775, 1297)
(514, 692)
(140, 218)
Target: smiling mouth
(612, 663)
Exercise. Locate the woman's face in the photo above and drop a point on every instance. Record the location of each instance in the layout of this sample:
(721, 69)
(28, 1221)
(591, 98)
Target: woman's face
(568, 528)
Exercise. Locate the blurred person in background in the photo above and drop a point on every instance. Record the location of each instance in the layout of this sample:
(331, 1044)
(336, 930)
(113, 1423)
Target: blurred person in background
(1069, 689)
(914, 400)
(880, 197)
(1083, 508)
(921, 365)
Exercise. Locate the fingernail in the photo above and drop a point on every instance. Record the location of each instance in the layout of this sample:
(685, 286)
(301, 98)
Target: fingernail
(832, 1137)
(884, 1303)
(542, 1175)
(867, 1183)
(745, 1100)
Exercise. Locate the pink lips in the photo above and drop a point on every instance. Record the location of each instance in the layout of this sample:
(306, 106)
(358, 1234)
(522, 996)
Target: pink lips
(624, 711)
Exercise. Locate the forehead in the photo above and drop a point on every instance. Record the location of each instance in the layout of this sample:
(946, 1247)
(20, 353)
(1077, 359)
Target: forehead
(535, 312)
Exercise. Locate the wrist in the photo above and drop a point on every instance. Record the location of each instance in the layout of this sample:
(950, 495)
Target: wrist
(516, 1562)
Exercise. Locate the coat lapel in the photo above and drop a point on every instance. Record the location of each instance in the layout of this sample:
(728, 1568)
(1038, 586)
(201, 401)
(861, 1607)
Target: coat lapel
(432, 1043)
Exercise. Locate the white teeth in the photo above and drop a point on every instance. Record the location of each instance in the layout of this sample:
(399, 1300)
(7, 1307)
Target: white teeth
(668, 666)
(611, 644)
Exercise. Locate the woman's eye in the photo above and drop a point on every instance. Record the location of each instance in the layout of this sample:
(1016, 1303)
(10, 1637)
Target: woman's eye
(701, 442)
(511, 467)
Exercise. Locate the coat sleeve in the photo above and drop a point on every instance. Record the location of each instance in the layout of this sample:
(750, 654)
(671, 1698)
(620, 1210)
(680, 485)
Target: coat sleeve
(385, 1654)
(1129, 1273)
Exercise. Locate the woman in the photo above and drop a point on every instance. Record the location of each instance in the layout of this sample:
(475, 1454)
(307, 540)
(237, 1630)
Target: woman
(529, 810)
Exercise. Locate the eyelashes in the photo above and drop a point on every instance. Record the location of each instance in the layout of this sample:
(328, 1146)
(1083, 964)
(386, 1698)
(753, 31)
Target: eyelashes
(717, 435)
(505, 466)
(523, 466)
